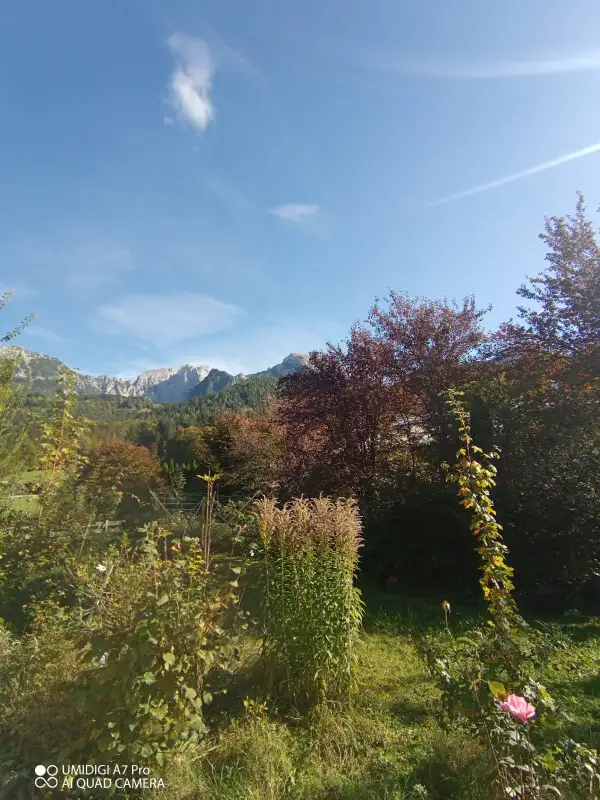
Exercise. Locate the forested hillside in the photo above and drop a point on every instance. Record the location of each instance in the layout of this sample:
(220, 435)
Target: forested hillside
(139, 419)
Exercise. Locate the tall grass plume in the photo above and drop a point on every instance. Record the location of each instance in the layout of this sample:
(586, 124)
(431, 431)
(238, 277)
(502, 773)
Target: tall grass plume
(312, 610)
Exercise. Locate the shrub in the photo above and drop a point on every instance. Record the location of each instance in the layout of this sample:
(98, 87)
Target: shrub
(530, 761)
(38, 712)
(40, 552)
(156, 637)
(312, 610)
(127, 468)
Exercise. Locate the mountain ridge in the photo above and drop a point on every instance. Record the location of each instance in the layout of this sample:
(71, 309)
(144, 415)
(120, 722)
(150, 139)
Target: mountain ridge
(162, 385)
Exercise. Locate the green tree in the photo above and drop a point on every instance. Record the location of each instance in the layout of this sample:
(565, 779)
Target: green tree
(12, 434)
(560, 334)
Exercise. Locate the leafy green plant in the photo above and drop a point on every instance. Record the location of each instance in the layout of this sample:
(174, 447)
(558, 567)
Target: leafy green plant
(313, 612)
(12, 435)
(62, 432)
(38, 709)
(156, 637)
(471, 670)
(12, 429)
(41, 553)
(207, 515)
(4, 299)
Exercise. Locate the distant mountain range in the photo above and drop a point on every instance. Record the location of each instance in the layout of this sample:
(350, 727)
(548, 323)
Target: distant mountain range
(166, 385)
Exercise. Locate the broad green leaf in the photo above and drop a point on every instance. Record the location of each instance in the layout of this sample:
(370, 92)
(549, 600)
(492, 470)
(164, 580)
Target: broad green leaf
(169, 659)
(497, 689)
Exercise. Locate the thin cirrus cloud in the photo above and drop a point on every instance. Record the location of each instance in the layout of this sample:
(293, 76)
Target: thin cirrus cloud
(45, 334)
(228, 195)
(485, 70)
(83, 261)
(295, 212)
(93, 266)
(163, 320)
(191, 81)
(517, 176)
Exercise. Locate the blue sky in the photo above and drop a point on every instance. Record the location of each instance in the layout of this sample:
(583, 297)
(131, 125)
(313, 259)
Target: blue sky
(227, 182)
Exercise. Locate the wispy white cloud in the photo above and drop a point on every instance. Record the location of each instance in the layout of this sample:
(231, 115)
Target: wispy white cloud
(228, 195)
(83, 261)
(191, 81)
(232, 60)
(163, 320)
(295, 212)
(93, 265)
(483, 70)
(39, 332)
(517, 176)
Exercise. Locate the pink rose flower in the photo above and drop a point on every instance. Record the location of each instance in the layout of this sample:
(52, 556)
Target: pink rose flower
(518, 707)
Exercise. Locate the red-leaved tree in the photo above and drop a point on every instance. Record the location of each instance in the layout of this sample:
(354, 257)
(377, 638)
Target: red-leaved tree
(338, 415)
(355, 408)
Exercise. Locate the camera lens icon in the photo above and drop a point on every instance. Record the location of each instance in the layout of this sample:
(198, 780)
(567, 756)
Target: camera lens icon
(46, 776)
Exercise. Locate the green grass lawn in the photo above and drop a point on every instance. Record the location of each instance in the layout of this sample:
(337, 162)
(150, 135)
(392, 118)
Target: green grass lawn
(388, 745)
(29, 504)
(34, 476)
(31, 476)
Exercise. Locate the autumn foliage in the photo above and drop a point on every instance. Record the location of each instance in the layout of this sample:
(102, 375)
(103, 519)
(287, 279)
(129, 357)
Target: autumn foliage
(125, 467)
(244, 448)
(357, 408)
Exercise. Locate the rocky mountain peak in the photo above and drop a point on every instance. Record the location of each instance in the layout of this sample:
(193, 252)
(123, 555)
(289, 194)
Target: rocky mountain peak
(163, 385)
(289, 364)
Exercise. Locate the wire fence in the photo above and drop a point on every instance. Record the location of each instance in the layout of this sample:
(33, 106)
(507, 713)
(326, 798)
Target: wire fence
(193, 502)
